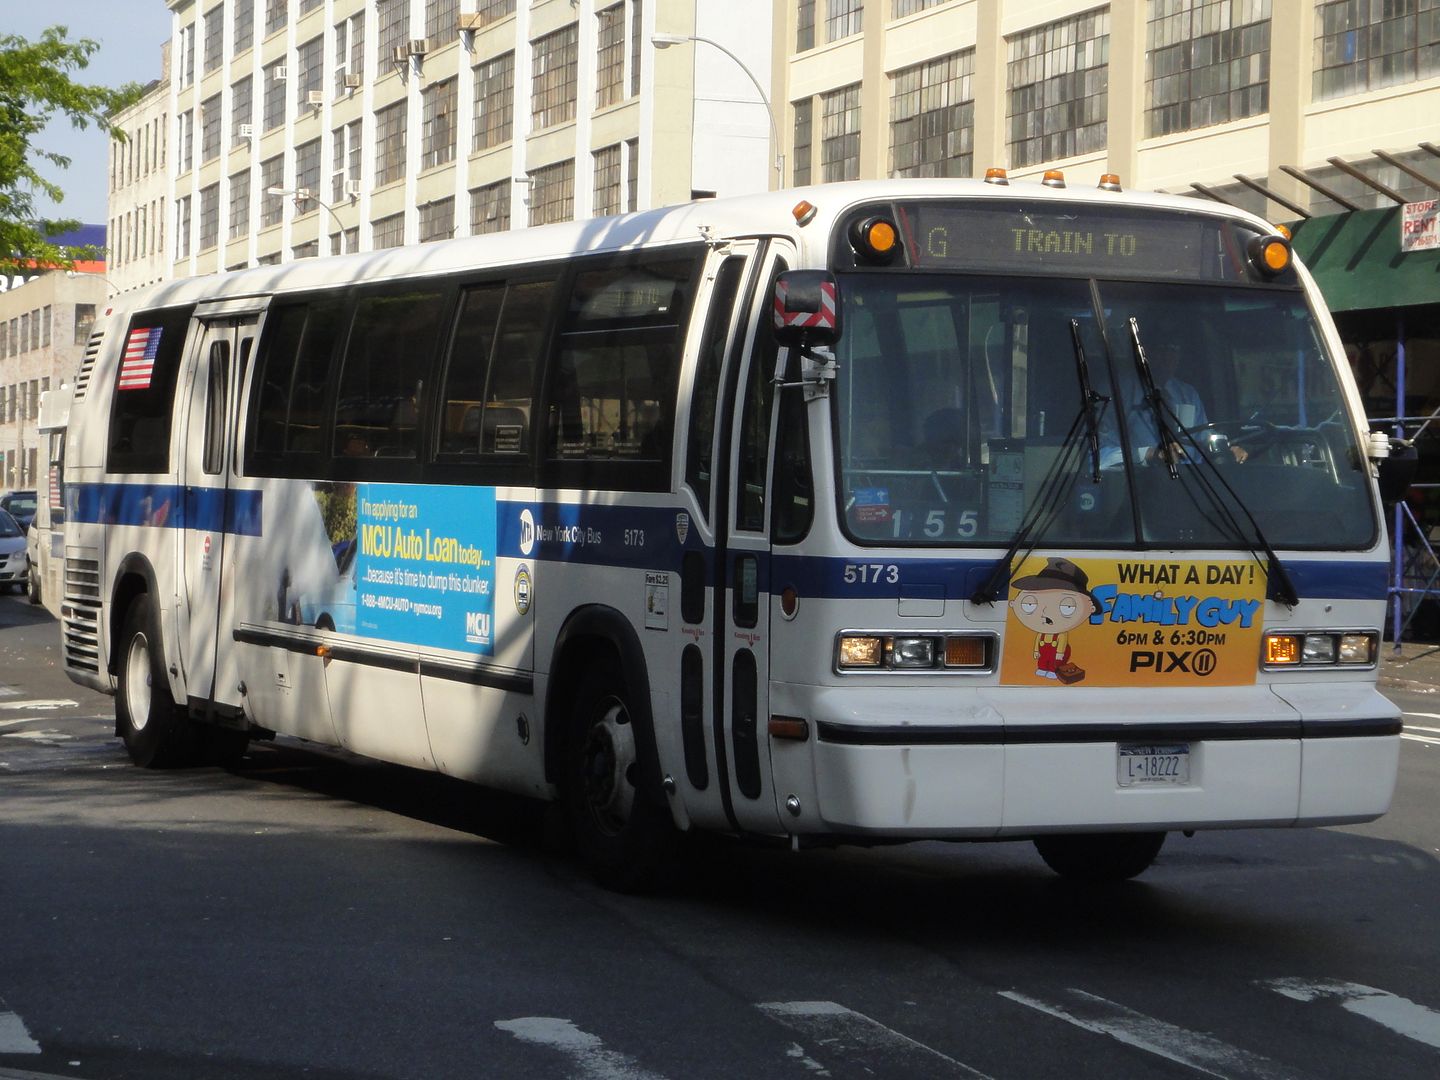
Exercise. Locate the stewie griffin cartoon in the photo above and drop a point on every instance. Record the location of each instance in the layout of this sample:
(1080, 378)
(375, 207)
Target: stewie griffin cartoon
(1052, 603)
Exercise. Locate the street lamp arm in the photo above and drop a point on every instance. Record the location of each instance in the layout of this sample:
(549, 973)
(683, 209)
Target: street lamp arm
(301, 194)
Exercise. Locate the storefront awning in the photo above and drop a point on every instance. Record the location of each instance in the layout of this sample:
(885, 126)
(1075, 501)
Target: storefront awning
(1357, 262)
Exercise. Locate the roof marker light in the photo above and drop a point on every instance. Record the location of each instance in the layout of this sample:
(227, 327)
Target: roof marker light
(1053, 178)
(1270, 255)
(1110, 182)
(996, 176)
(804, 212)
(875, 239)
(1284, 230)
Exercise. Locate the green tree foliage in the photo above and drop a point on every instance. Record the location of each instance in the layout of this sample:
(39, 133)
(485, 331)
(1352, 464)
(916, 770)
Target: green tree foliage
(35, 86)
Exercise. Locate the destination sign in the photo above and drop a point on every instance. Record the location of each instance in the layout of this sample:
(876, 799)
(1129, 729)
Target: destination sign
(1069, 239)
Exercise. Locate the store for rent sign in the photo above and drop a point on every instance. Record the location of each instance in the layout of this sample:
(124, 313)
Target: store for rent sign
(1420, 226)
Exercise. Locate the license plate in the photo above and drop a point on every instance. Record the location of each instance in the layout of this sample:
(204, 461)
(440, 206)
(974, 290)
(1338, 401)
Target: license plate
(1168, 764)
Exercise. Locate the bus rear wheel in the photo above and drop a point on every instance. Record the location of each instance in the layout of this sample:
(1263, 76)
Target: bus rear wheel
(32, 583)
(623, 834)
(1099, 856)
(157, 733)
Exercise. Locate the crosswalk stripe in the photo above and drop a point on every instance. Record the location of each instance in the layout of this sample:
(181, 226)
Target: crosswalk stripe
(38, 703)
(845, 1031)
(1203, 1053)
(586, 1051)
(1400, 1015)
(1429, 739)
(14, 1039)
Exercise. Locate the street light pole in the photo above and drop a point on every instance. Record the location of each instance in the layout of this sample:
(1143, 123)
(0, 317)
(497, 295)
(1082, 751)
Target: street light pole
(664, 41)
(302, 194)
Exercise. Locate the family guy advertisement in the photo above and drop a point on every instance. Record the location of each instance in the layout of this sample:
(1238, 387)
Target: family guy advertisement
(1130, 622)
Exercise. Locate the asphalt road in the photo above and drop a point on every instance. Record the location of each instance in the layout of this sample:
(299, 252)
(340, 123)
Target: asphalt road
(315, 915)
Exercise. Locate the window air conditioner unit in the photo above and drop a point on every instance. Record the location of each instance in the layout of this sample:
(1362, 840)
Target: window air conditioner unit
(280, 74)
(352, 189)
(418, 47)
(246, 131)
(353, 81)
(400, 55)
(315, 97)
(469, 21)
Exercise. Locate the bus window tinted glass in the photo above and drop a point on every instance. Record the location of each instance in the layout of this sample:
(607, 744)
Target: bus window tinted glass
(144, 400)
(614, 392)
(469, 360)
(753, 464)
(298, 344)
(390, 345)
(706, 391)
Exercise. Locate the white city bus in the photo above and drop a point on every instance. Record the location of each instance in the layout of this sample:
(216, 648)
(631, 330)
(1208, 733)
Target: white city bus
(864, 513)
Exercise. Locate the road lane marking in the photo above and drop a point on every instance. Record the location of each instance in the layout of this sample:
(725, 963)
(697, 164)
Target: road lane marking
(48, 736)
(39, 703)
(585, 1050)
(14, 1039)
(1423, 715)
(1203, 1053)
(847, 1032)
(1400, 1015)
(1428, 739)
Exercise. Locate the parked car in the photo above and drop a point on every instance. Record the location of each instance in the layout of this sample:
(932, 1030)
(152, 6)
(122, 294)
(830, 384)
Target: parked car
(14, 564)
(20, 505)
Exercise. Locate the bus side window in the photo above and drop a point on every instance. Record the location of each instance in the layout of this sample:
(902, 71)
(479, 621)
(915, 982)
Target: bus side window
(754, 456)
(612, 397)
(392, 338)
(706, 391)
(296, 348)
(144, 400)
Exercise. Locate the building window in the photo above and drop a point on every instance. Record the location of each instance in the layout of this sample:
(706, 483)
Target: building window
(1058, 78)
(441, 22)
(349, 50)
(242, 111)
(437, 139)
(244, 33)
(843, 18)
(345, 164)
(307, 6)
(840, 134)
(637, 14)
(187, 142)
(84, 322)
(274, 107)
(805, 25)
(804, 125)
(209, 216)
(347, 242)
(272, 207)
(1367, 45)
(632, 175)
(1206, 62)
(900, 8)
(211, 122)
(932, 110)
(388, 232)
(437, 220)
(182, 227)
(552, 88)
(45, 318)
(310, 71)
(552, 193)
(494, 102)
(240, 204)
(610, 57)
(390, 144)
(276, 14)
(607, 180)
(308, 250)
(307, 172)
(214, 48)
(494, 10)
(185, 56)
(490, 208)
(393, 17)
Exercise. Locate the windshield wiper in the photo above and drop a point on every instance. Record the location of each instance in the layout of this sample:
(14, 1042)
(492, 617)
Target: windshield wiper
(1089, 399)
(1278, 586)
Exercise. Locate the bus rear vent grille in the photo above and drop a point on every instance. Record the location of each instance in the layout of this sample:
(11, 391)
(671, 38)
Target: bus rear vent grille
(82, 380)
(81, 631)
(82, 580)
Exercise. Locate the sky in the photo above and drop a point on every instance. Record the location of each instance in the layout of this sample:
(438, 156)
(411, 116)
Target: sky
(130, 33)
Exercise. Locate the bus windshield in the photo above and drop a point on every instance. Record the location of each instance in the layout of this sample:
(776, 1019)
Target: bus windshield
(957, 393)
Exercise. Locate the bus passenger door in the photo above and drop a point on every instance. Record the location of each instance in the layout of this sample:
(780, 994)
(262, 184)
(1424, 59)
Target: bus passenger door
(742, 601)
(210, 518)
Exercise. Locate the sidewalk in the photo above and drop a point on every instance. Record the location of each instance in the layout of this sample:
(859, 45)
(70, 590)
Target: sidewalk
(1415, 667)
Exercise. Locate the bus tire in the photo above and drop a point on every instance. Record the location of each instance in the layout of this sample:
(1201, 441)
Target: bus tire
(32, 584)
(156, 731)
(1099, 856)
(623, 834)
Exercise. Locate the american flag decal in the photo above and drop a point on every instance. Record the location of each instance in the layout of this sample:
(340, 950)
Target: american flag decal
(139, 359)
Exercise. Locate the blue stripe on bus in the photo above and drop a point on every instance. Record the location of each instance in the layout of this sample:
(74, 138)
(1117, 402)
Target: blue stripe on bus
(166, 506)
(649, 538)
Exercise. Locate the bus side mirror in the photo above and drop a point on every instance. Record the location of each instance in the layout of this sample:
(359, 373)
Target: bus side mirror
(1397, 471)
(807, 309)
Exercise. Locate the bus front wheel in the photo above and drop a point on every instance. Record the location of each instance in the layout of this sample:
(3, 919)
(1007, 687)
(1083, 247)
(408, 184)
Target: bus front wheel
(157, 733)
(1099, 856)
(622, 834)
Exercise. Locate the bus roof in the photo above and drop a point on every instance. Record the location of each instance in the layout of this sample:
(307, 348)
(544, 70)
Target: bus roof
(765, 214)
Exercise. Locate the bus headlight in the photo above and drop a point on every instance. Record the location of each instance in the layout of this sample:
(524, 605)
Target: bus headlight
(871, 651)
(1321, 648)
